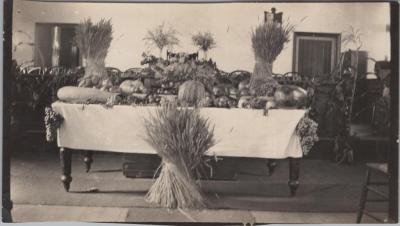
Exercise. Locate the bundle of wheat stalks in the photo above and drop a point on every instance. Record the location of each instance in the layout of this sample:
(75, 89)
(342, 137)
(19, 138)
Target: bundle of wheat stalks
(268, 40)
(181, 137)
(93, 41)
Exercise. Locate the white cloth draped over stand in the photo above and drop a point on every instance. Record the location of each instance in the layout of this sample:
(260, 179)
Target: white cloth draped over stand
(238, 132)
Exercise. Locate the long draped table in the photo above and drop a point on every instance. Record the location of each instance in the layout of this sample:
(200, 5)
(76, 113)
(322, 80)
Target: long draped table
(238, 133)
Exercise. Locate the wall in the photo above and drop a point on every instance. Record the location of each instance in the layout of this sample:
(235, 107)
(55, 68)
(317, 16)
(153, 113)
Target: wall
(230, 23)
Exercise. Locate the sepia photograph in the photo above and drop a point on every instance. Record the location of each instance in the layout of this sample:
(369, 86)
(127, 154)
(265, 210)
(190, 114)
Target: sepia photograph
(217, 113)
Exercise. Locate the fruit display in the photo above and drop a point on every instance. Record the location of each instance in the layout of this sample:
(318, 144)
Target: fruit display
(190, 82)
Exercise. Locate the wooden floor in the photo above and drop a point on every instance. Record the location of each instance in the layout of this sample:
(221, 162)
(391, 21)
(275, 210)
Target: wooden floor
(40, 213)
(328, 193)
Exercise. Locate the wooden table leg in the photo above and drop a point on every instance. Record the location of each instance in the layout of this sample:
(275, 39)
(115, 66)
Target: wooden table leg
(294, 172)
(65, 158)
(87, 159)
(271, 164)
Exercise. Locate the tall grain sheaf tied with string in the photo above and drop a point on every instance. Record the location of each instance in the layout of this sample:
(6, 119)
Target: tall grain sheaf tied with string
(93, 41)
(181, 138)
(268, 41)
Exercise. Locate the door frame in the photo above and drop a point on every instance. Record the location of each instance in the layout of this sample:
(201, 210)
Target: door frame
(334, 37)
(35, 60)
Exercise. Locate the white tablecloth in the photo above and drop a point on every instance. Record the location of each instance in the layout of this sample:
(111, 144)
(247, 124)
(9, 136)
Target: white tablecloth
(238, 132)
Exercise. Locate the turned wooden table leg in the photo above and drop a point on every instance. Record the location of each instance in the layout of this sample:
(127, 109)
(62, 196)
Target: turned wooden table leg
(65, 158)
(294, 172)
(87, 159)
(271, 164)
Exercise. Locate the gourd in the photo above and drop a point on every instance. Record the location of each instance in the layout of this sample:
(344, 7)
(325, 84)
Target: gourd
(191, 92)
(129, 86)
(74, 94)
(290, 96)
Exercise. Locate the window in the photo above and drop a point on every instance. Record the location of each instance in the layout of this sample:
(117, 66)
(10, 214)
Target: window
(315, 54)
(54, 45)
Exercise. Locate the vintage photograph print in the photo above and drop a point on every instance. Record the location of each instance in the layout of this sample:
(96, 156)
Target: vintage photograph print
(240, 113)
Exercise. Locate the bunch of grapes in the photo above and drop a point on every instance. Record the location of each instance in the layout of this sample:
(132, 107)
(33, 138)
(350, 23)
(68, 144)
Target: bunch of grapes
(307, 131)
(52, 121)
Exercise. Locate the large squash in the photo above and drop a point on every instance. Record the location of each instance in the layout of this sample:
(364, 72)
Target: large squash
(191, 92)
(290, 96)
(129, 86)
(74, 94)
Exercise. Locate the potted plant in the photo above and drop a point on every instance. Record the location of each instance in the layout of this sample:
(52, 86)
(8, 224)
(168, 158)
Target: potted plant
(161, 37)
(204, 41)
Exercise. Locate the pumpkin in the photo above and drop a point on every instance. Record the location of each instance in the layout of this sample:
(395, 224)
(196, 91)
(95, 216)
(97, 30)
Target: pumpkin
(129, 86)
(290, 96)
(74, 94)
(191, 92)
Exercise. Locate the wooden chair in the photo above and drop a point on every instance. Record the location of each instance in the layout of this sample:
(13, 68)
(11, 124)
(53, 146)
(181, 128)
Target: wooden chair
(366, 133)
(373, 186)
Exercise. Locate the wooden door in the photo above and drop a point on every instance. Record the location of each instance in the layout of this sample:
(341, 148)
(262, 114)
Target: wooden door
(315, 54)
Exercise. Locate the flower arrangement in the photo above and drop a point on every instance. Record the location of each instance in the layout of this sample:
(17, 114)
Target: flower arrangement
(181, 137)
(307, 131)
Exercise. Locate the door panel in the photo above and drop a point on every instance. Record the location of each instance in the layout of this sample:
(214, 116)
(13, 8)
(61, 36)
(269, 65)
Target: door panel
(315, 54)
(314, 57)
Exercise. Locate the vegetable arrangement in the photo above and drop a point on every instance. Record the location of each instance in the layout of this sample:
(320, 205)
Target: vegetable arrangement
(191, 83)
